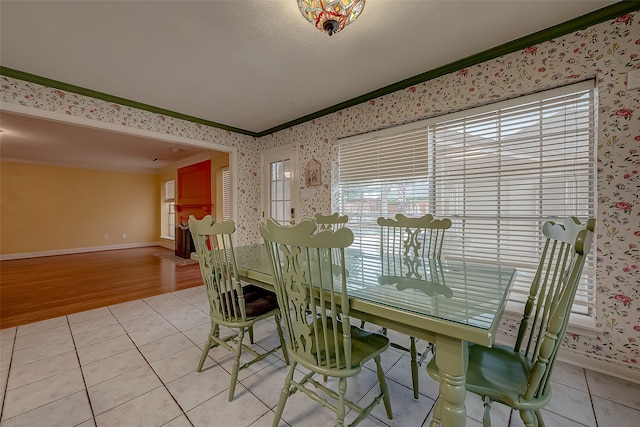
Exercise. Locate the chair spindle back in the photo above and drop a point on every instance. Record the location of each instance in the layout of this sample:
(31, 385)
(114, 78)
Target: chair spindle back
(310, 282)
(547, 309)
(214, 247)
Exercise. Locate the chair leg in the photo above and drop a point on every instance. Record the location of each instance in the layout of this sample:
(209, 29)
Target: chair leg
(205, 352)
(414, 367)
(383, 387)
(340, 406)
(539, 417)
(424, 354)
(251, 334)
(486, 418)
(213, 332)
(284, 395)
(530, 418)
(236, 364)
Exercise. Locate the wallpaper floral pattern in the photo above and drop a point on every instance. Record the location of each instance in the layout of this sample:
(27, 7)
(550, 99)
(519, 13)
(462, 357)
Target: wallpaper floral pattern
(605, 51)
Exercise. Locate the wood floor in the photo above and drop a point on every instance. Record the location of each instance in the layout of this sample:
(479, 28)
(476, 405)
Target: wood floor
(42, 288)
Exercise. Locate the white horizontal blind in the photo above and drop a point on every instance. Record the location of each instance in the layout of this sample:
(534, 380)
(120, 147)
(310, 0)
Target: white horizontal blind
(381, 176)
(226, 194)
(498, 172)
(169, 190)
(170, 207)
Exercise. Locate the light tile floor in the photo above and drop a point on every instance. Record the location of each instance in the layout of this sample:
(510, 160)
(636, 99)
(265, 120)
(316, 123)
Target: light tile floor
(133, 364)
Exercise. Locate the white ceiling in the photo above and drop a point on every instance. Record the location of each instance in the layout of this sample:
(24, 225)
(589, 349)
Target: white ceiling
(251, 65)
(43, 141)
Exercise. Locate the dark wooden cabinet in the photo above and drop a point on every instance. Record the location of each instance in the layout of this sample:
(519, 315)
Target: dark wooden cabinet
(184, 243)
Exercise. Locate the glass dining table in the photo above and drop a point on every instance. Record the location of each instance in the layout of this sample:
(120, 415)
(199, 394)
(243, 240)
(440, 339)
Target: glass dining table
(448, 303)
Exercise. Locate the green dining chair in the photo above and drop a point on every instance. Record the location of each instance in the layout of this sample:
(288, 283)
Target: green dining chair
(520, 376)
(230, 304)
(419, 237)
(310, 281)
(333, 221)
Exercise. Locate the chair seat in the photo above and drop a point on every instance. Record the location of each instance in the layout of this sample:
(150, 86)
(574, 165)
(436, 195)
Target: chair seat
(258, 301)
(497, 372)
(365, 345)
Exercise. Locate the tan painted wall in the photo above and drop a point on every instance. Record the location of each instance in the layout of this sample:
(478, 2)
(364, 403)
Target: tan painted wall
(45, 208)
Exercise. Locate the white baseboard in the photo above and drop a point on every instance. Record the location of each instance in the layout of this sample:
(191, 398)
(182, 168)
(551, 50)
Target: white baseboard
(592, 362)
(54, 252)
(600, 364)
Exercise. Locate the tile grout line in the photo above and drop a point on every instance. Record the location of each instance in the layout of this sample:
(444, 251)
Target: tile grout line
(84, 380)
(6, 386)
(512, 416)
(149, 363)
(593, 407)
(218, 364)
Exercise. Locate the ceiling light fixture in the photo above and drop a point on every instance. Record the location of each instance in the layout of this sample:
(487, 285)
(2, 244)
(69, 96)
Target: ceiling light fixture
(331, 16)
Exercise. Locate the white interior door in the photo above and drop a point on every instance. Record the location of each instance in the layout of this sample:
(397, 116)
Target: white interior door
(280, 194)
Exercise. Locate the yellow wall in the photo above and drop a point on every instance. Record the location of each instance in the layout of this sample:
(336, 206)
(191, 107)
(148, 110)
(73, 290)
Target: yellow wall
(45, 208)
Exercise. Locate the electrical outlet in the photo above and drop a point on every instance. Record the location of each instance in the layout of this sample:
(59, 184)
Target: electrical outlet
(633, 79)
(124, 235)
(106, 237)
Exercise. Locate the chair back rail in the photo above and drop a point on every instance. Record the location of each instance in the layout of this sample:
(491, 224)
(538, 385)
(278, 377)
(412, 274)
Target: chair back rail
(420, 236)
(333, 221)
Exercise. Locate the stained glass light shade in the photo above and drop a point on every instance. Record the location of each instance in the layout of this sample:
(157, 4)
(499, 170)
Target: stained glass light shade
(331, 16)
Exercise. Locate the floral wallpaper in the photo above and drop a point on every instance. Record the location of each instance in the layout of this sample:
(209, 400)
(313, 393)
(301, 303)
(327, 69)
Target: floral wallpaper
(605, 51)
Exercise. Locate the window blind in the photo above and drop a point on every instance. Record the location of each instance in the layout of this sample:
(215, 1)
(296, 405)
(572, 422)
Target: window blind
(226, 194)
(498, 172)
(169, 190)
(169, 202)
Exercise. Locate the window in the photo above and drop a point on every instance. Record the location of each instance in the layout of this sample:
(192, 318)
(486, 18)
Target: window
(279, 195)
(225, 193)
(169, 208)
(499, 172)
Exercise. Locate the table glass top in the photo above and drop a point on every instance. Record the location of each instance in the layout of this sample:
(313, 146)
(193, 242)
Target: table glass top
(471, 294)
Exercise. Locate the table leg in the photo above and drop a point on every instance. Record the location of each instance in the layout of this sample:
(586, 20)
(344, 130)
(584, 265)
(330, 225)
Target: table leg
(452, 358)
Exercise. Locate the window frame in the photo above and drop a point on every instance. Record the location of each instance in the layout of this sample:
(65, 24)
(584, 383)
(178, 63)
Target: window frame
(168, 210)
(585, 318)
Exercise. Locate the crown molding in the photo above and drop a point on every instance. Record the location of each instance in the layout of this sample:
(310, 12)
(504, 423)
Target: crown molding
(33, 78)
